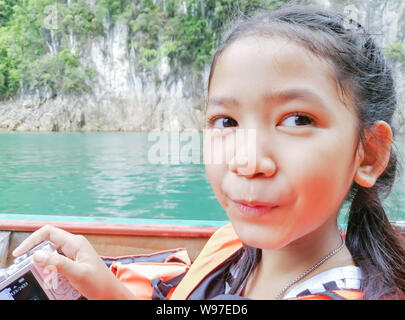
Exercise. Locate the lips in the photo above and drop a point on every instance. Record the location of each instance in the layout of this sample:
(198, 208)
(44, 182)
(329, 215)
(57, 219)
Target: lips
(255, 203)
(256, 197)
(254, 208)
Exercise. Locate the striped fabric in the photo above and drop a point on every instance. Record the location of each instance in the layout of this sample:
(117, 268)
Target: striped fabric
(345, 278)
(338, 278)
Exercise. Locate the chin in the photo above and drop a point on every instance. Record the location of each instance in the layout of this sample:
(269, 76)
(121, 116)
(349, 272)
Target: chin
(260, 237)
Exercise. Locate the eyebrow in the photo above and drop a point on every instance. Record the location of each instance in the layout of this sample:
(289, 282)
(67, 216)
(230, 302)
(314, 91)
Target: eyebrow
(279, 97)
(223, 101)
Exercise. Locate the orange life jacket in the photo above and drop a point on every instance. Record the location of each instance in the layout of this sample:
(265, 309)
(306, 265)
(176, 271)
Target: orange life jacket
(151, 276)
(222, 245)
(170, 275)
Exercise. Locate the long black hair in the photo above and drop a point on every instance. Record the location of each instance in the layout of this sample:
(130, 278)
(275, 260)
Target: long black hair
(363, 74)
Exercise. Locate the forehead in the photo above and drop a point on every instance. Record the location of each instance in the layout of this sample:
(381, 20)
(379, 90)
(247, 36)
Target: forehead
(259, 65)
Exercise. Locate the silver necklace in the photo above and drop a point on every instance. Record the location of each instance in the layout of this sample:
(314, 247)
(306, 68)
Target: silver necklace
(315, 266)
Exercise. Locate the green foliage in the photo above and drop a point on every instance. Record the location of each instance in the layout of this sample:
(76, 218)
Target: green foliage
(194, 42)
(110, 9)
(6, 10)
(59, 72)
(185, 31)
(36, 49)
(147, 27)
(34, 45)
(77, 18)
(9, 72)
(396, 52)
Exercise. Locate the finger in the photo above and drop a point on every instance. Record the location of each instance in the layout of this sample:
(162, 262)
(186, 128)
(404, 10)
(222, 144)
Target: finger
(63, 265)
(57, 236)
(35, 238)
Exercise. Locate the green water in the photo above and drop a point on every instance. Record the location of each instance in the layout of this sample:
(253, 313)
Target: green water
(109, 175)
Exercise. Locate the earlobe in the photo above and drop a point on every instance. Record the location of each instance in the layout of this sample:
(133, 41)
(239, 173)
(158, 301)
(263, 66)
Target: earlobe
(363, 178)
(374, 154)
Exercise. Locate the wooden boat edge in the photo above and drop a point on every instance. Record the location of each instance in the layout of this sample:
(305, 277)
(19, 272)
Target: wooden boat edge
(111, 238)
(121, 239)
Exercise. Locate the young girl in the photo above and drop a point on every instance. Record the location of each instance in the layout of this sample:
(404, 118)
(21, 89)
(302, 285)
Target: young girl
(320, 97)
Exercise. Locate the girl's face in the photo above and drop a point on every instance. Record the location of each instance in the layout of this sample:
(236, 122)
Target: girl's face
(303, 159)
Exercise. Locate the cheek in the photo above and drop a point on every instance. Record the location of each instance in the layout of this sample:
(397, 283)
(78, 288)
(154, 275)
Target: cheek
(217, 151)
(322, 175)
(215, 174)
(218, 146)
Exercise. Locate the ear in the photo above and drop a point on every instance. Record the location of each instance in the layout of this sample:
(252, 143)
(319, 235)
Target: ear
(374, 154)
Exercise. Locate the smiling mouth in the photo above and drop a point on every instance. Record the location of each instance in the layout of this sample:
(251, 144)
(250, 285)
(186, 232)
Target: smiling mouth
(254, 208)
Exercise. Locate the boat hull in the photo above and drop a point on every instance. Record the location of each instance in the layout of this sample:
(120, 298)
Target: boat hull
(118, 237)
(112, 237)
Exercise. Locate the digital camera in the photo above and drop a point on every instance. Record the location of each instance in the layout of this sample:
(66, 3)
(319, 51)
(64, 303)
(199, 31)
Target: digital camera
(23, 280)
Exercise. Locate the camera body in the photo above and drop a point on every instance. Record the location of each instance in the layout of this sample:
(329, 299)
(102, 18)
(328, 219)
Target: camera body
(23, 280)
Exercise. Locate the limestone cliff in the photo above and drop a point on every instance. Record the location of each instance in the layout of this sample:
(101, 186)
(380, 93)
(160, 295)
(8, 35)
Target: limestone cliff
(122, 98)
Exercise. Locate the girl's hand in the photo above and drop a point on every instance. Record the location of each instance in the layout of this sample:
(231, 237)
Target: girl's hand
(80, 264)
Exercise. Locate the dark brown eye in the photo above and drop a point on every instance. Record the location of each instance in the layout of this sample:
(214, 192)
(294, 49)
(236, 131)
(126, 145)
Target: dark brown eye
(221, 122)
(297, 120)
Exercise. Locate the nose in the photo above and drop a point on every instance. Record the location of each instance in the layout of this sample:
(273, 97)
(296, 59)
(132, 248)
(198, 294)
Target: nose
(252, 163)
(243, 167)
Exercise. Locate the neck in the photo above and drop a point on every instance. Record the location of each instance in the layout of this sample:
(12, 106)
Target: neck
(302, 253)
(278, 268)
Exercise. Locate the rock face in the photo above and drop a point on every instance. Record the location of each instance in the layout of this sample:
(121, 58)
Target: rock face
(123, 99)
(385, 19)
(120, 99)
